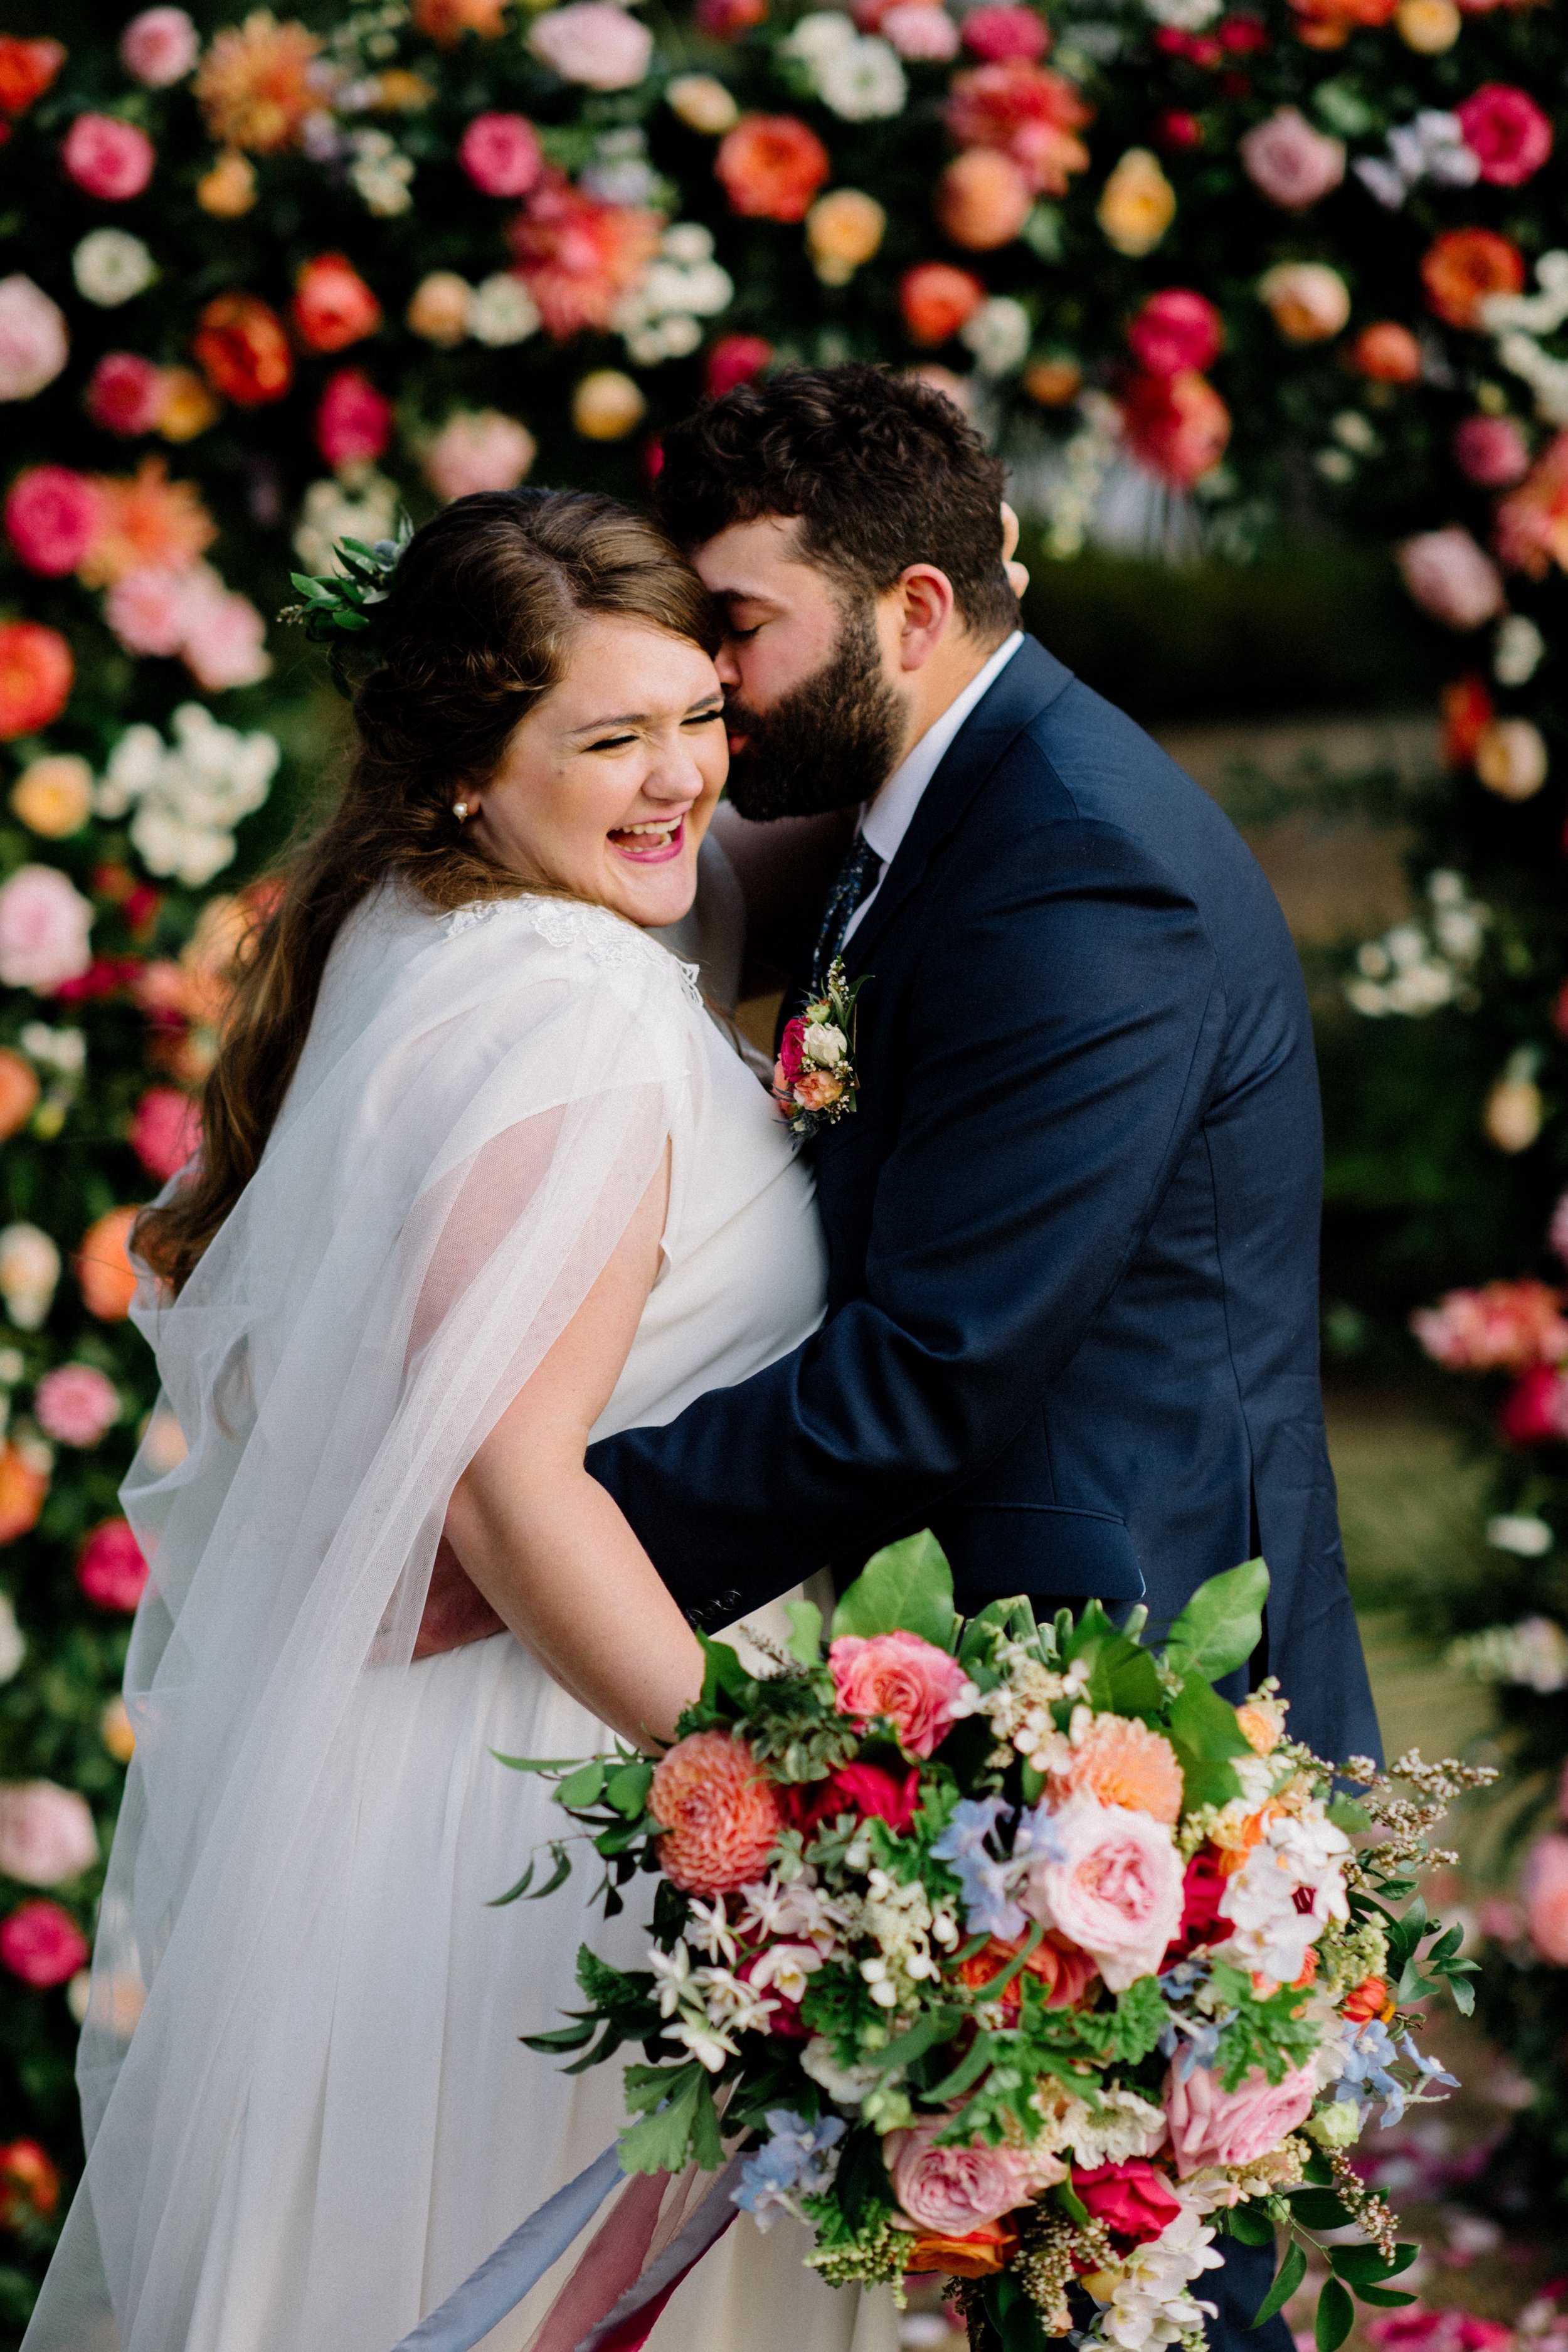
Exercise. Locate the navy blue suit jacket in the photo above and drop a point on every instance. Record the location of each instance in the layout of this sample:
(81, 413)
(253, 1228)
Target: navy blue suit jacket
(1072, 1226)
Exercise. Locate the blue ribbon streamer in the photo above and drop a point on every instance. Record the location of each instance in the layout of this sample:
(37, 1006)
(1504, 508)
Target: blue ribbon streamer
(519, 2262)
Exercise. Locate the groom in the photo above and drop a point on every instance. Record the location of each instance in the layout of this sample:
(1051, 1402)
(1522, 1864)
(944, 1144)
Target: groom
(1073, 1221)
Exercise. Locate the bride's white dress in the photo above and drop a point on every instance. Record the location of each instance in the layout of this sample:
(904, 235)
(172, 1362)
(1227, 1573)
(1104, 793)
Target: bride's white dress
(325, 2117)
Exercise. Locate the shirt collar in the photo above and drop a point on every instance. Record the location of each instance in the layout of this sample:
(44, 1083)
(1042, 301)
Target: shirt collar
(885, 820)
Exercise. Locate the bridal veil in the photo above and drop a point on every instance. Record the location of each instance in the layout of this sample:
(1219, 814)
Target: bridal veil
(473, 1120)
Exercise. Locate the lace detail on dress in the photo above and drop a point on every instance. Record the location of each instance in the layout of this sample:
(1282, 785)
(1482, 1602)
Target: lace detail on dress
(604, 938)
(468, 919)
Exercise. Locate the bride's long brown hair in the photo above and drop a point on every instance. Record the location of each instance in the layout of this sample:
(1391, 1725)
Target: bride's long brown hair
(477, 628)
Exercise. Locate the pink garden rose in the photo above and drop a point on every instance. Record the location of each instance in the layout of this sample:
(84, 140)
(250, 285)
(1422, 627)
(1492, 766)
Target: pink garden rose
(146, 610)
(223, 642)
(915, 1686)
(948, 2191)
(1451, 578)
(1506, 131)
(998, 32)
(44, 924)
(111, 1570)
(1544, 1890)
(1502, 1327)
(52, 517)
(924, 33)
(1177, 329)
(1134, 2199)
(46, 1833)
(594, 42)
(479, 449)
(1288, 162)
(500, 155)
(1110, 1881)
(165, 1129)
(354, 422)
(76, 1404)
(159, 47)
(108, 158)
(42, 1944)
(125, 394)
(1535, 1410)
(1211, 2126)
(34, 344)
(1491, 451)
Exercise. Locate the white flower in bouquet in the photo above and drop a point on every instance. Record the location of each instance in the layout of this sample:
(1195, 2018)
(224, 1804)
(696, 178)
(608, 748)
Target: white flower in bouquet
(364, 506)
(1295, 1857)
(187, 795)
(1122, 2127)
(863, 80)
(501, 311)
(380, 174)
(998, 334)
(111, 265)
(1149, 2305)
(1184, 16)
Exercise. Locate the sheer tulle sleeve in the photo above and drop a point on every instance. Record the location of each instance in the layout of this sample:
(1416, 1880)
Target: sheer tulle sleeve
(482, 1103)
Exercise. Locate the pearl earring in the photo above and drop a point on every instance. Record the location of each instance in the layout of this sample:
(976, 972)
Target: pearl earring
(459, 810)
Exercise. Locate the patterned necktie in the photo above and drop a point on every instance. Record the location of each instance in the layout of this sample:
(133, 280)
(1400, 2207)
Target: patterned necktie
(858, 878)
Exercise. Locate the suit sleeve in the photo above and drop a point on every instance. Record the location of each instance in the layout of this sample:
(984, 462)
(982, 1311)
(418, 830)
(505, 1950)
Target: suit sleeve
(1064, 1027)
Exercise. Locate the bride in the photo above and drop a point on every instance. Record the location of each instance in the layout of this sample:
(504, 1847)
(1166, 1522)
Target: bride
(481, 1181)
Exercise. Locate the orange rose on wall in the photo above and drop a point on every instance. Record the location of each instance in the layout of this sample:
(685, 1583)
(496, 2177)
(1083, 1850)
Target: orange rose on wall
(104, 1272)
(333, 305)
(254, 85)
(770, 166)
(936, 299)
(243, 350)
(22, 1489)
(36, 674)
(1464, 265)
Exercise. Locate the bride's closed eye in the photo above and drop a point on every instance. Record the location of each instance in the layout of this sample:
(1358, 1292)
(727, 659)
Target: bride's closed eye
(619, 742)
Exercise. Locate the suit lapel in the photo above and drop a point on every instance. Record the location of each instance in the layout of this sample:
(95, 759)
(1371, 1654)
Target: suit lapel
(1030, 683)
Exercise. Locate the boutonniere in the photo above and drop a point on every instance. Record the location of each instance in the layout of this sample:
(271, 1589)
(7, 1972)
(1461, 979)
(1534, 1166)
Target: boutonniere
(815, 1078)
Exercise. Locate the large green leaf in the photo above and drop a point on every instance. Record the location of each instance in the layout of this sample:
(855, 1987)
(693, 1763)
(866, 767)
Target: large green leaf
(906, 1585)
(1206, 1723)
(1288, 2278)
(804, 1631)
(1221, 1624)
(1336, 2316)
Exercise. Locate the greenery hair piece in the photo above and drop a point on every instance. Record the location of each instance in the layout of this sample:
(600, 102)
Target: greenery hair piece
(340, 604)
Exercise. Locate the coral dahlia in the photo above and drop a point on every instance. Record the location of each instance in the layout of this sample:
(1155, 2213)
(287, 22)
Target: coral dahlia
(721, 1818)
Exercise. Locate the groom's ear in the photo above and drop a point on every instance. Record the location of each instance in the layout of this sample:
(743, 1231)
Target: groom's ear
(1017, 573)
(921, 614)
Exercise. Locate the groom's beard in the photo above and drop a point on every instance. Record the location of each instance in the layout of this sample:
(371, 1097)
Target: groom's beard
(829, 743)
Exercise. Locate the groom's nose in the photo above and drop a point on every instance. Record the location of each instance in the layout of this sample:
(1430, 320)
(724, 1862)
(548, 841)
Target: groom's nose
(727, 666)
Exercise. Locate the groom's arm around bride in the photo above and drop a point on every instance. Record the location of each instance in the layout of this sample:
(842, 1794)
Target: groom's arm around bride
(1073, 1221)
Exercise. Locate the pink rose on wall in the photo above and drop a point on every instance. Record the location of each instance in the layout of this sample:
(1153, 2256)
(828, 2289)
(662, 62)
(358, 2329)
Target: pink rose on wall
(594, 42)
(1452, 578)
(47, 1832)
(1175, 329)
(1111, 1879)
(1211, 2126)
(354, 422)
(1134, 2199)
(1535, 1411)
(998, 33)
(159, 47)
(108, 158)
(479, 449)
(949, 2191)
(1289, 162)
(146, 610)
(166, 1129)
(1491, 451)
(923, 34)
(111, 1570)
(76, 1404)
(34, 344)
(918, 1687)
(224, 643)
(1506, 131)
(52, 517)
(44, 924)
(1544, 1891)
(126, 394)
(42, 1944)
(500, 155)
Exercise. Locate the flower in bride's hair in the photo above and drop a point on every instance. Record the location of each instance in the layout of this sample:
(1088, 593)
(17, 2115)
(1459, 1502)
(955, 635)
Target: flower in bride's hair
(719, 1818)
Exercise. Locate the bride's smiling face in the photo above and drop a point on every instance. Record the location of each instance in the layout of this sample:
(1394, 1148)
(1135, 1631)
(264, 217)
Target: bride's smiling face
(608, 784)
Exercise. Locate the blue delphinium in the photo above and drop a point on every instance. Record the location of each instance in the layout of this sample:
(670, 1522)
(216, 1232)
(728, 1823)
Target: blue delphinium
(788, 2166)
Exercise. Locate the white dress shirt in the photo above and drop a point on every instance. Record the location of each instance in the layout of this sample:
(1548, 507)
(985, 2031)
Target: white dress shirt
(887, 819)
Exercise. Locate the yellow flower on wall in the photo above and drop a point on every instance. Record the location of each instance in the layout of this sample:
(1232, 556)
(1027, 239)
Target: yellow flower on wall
(1137, 203)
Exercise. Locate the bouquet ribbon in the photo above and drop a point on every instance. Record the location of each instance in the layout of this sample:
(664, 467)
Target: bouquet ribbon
(658, 2230)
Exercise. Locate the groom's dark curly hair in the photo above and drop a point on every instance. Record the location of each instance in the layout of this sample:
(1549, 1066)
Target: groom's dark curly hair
(882, 471)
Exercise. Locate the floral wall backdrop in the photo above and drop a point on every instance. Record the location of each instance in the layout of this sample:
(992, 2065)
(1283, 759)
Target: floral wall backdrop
(1200, 270)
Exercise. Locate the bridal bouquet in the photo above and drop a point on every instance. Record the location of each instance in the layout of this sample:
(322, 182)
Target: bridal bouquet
(1018, 1953)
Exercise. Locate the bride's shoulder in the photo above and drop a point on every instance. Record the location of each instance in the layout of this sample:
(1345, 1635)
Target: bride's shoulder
(575, 939)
